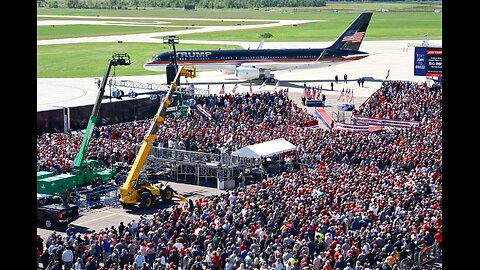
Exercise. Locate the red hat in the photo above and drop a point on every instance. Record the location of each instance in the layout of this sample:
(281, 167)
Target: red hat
(90, 259)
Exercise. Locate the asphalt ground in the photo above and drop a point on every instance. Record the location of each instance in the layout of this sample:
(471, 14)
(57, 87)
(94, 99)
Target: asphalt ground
(107, 216)
(395, 56)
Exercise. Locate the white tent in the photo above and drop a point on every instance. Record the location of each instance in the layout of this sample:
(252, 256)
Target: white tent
(265, 149)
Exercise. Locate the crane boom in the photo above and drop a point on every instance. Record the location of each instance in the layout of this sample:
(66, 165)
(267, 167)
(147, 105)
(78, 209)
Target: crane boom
(186, 70)
(117, 59)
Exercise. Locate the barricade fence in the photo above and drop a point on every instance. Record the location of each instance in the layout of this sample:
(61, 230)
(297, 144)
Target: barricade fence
(420, 258)
(105, 195)
(382, 121)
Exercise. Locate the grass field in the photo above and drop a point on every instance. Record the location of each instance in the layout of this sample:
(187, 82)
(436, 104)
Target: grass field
(383, 26)
(90, 59)
(85, 30)
(193, 22)
(404, 21)
(263, 13)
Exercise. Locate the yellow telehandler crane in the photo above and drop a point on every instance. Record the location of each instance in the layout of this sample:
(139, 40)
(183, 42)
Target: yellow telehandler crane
(137, 189)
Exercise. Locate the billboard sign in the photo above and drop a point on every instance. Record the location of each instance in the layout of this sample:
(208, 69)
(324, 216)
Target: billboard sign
(428, 62)
(434, 62)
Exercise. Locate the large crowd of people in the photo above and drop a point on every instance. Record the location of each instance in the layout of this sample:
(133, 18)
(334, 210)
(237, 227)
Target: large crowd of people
(403, 101)
(238, 120)
(363, 200)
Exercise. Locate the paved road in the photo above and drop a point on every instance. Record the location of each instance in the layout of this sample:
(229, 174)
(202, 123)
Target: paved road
(384, 55)
(96, 219)
(155, 37)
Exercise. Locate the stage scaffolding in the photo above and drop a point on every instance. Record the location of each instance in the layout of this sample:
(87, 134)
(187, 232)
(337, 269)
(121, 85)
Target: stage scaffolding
(199, 167)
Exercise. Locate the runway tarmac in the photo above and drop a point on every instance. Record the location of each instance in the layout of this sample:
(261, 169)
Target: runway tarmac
(396, 56)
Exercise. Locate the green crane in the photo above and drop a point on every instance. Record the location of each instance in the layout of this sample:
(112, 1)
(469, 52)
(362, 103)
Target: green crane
(88, 171)
(84, 172)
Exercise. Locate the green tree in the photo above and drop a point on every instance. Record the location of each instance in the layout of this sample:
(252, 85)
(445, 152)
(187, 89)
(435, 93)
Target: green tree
(72, 3)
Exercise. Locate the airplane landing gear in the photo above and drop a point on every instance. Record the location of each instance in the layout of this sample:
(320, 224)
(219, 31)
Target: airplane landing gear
(268, 79)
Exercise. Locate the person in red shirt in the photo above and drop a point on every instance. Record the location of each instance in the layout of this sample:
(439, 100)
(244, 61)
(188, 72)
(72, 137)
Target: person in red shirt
(438, 240)
(327, 266)
(215, 260)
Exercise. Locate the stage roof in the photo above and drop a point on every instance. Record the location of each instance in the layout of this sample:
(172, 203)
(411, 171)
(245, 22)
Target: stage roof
(265, 149)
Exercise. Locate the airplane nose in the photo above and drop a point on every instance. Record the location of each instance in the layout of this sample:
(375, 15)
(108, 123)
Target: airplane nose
(153, 66)
(147, 66)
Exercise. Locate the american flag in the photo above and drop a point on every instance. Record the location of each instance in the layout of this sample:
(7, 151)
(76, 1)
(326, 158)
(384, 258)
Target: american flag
(203, 111)
(222, 89)
(355, 38)
(251, 90)
(351, 96)
(342, 94)
(319, 92)
(234, 88)
(346, 95)
(276, 85)
(263, 84)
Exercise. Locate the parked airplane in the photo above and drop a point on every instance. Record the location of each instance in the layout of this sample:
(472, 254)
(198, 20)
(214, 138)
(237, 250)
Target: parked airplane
(258, 63)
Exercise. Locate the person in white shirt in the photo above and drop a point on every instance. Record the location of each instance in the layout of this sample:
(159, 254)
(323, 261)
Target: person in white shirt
(317, 263)
(178, 245)
(67, 258)
(78, 265)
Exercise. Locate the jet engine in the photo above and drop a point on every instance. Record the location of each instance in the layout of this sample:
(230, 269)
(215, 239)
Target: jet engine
(227, 71)
(244, 73)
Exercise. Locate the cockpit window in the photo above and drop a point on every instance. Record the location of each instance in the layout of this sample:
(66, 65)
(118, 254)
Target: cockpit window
(162, 57)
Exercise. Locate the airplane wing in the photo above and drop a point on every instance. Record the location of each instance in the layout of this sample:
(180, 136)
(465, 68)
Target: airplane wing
(355, 56)
(322, 55)
(272, 66)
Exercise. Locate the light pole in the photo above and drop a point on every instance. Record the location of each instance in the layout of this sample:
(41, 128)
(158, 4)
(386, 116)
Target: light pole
(66, 118)
(425, 40)
(172, 40)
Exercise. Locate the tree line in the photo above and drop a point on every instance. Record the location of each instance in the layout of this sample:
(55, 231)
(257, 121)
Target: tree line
(124, 4)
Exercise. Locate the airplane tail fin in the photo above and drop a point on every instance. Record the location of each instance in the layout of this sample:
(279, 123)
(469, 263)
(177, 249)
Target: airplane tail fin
(353, 36)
